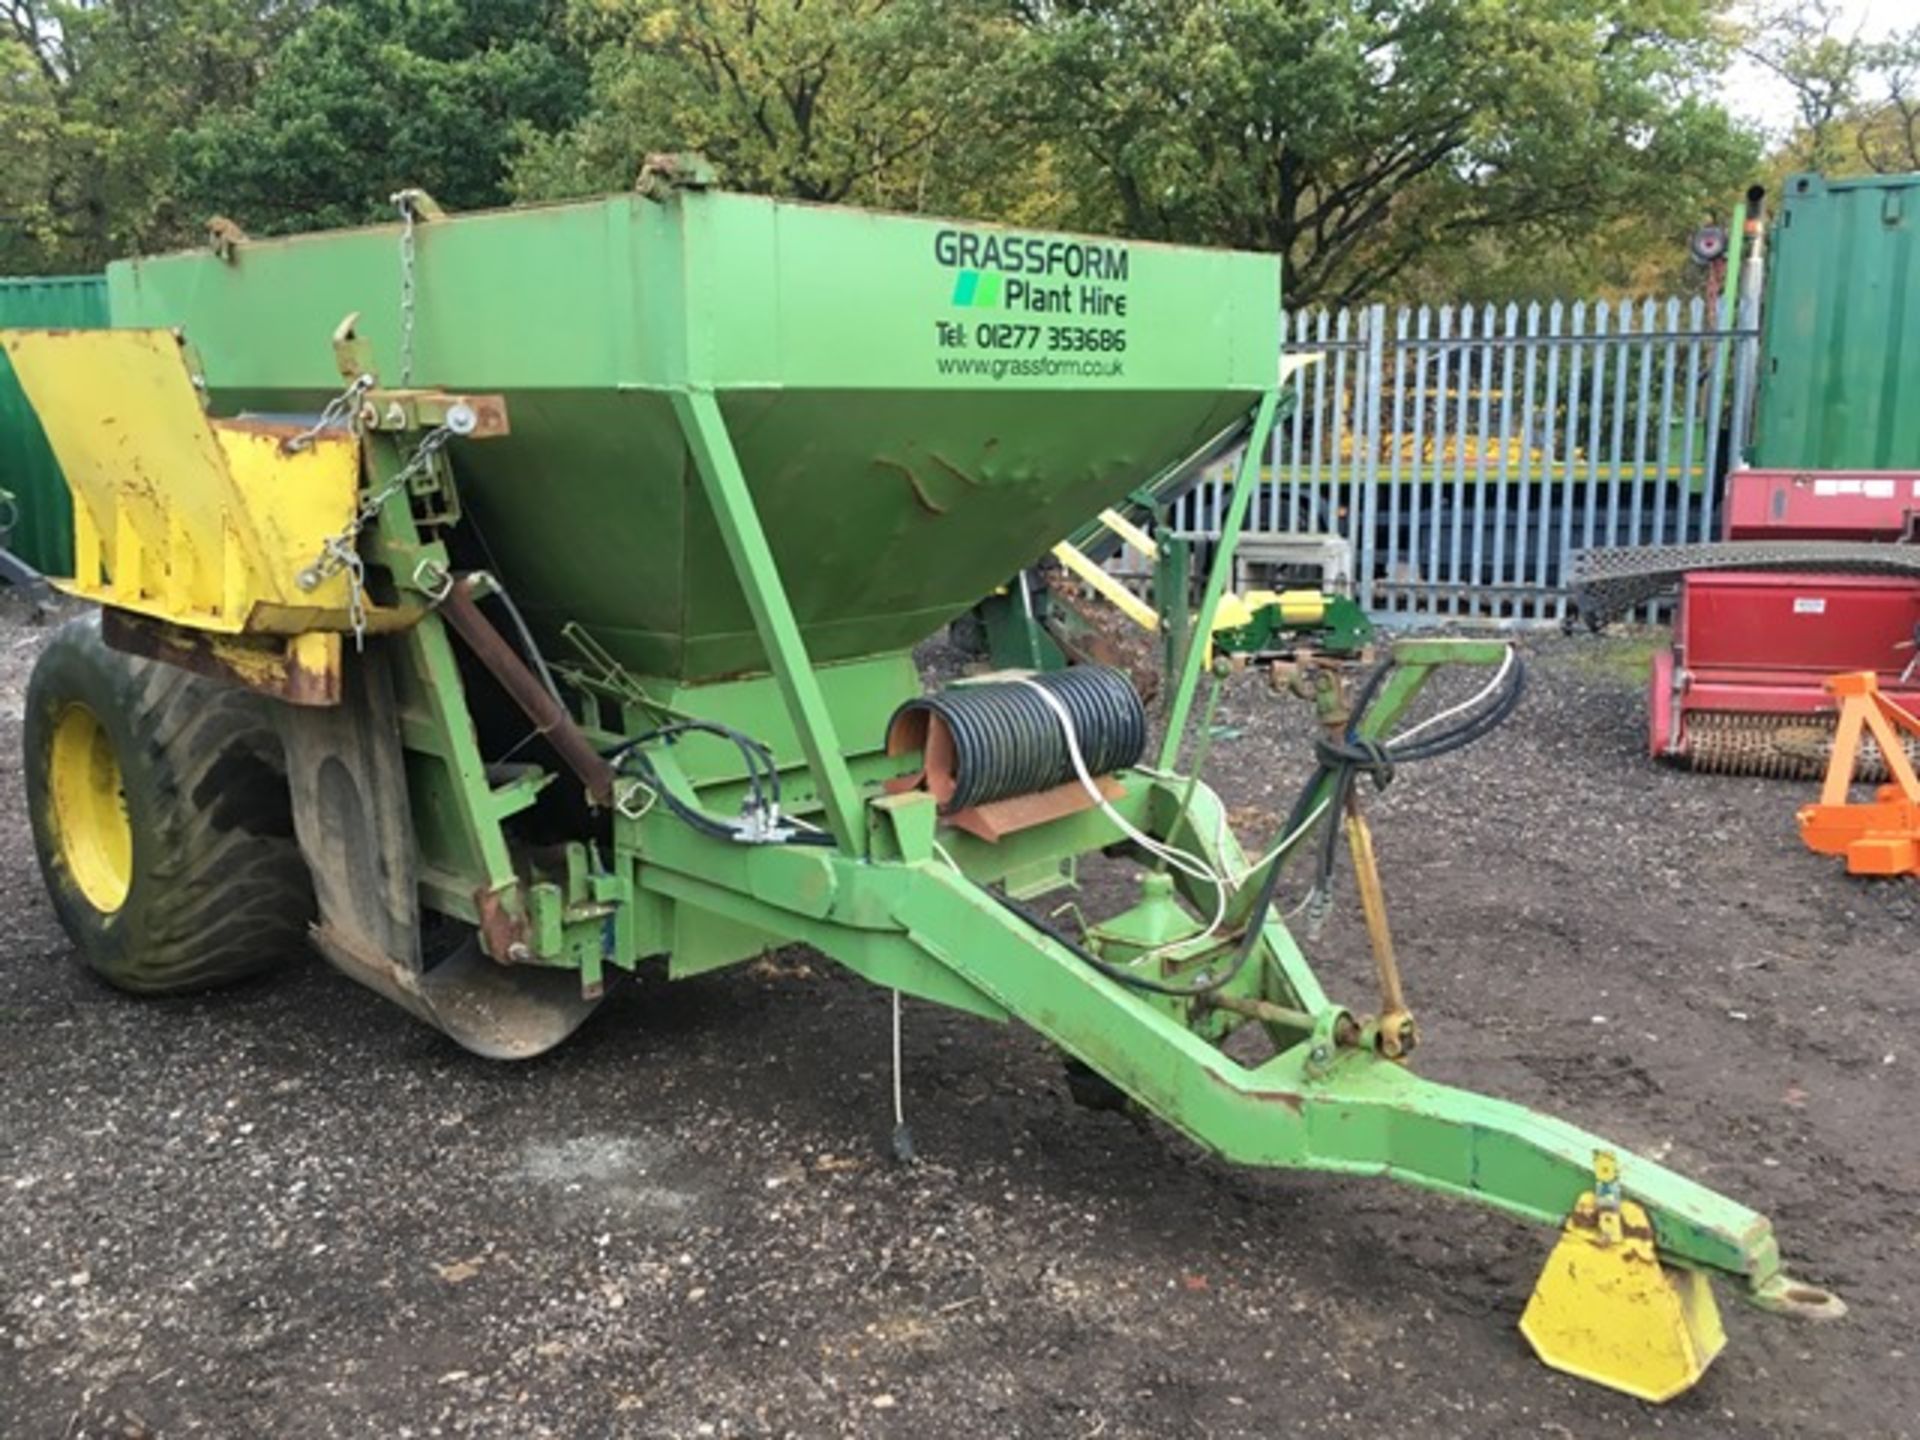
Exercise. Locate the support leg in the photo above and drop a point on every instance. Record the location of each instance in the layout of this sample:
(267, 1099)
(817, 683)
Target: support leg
(732, 502)
(1194, 661)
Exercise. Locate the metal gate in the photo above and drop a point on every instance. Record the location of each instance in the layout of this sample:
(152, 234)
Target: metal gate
(1465, 451)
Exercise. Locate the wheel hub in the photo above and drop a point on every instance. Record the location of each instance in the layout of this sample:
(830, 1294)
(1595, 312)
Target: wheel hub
(90, 809)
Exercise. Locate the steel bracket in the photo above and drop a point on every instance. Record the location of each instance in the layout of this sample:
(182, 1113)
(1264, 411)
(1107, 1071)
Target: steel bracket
(470, 416)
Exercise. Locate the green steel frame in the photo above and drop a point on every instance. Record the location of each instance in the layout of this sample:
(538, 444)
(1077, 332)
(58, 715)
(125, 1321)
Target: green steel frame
(736, 515)
(906, 906)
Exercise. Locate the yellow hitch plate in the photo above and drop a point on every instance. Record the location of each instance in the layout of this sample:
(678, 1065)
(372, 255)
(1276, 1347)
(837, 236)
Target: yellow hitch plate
(1607, 1310)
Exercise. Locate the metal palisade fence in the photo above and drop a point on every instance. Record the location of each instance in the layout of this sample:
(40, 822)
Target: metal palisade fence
(1466, 451)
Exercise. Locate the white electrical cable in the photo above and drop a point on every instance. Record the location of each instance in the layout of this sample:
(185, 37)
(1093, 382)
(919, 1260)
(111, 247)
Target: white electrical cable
(899, 1096)
(1220, 824)
(1499, 677)
(899, 1104)
(1299, 830)
(1184, 861)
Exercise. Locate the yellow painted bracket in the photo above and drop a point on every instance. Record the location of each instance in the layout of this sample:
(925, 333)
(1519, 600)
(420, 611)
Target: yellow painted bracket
(1123, 599)
(196, 522)
(1130, 532)
(1605, 1308)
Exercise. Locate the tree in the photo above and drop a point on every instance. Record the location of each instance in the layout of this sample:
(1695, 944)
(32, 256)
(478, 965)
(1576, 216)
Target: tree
(368, 97)
(1823, 61)
(1888, 136)
(90, 94)
(1372, 143)
(29, 131)
(1857, 100)
(1355, 137)
(883, 102)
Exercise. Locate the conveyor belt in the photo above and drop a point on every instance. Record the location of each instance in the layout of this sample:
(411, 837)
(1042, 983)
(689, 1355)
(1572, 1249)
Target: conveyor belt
(1608, 583)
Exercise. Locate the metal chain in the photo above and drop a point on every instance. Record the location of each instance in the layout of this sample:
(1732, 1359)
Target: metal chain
(404, 199)
(340, 554)
(343, 411)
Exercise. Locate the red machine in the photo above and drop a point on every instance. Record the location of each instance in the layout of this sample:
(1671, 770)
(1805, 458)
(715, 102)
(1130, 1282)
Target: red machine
(1822, 576)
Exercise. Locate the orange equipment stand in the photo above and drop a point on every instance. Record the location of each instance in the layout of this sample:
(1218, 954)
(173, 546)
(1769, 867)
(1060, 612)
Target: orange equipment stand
(1880, 836)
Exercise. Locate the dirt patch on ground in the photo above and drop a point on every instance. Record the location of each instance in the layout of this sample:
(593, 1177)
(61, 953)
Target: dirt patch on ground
(289, 1210)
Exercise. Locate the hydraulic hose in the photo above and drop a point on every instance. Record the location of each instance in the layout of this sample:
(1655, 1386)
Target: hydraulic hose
(1350, 755)
(761, 822)
(1344, 760)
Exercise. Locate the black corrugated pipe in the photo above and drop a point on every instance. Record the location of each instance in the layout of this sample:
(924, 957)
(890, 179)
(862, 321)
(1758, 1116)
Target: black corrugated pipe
(995, 740)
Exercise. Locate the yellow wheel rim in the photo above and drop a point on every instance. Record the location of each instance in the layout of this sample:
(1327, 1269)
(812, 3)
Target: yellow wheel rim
(90, 809)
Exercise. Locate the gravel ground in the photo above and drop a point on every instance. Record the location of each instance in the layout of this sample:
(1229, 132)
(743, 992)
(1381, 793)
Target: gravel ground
(288, 1210)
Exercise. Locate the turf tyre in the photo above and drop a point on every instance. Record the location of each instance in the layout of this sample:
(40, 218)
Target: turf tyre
(215, 886)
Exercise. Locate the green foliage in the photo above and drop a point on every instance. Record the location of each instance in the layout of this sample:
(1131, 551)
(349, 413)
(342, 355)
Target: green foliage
(90, 95)
(1357, 136)
(1381, 146)
(1887, 132)
(882, 102)
(1857, 100)
(371, 96)
(29, 137)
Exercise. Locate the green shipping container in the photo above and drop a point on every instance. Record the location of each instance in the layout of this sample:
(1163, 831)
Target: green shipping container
(1839, 385)
(43, 518)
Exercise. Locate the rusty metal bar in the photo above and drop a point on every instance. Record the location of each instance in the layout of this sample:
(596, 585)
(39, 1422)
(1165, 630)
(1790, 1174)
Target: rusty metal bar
(549, 717)
(1265, 1010)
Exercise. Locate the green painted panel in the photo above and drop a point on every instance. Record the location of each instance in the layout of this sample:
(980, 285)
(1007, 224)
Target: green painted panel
(1840, 366)
(43, 525)
(919, 406)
